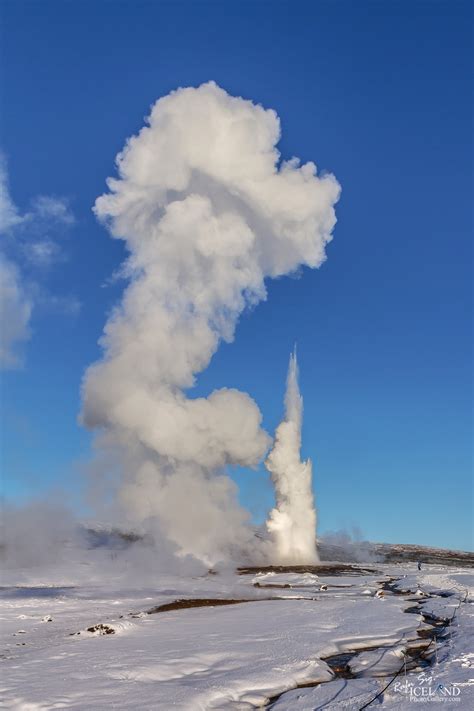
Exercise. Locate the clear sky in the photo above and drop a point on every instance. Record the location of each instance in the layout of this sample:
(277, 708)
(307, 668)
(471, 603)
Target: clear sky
(378, 93)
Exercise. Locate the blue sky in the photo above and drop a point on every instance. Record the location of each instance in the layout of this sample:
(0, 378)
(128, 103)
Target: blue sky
(379, 94)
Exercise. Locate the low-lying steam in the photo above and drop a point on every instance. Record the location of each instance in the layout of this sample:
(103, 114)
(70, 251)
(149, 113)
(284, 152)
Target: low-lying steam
(292, 523)
(207, 211)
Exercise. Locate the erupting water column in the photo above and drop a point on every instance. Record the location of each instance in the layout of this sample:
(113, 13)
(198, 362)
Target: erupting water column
(292, 523)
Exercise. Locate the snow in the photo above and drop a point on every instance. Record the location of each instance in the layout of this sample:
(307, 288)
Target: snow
(235, 656)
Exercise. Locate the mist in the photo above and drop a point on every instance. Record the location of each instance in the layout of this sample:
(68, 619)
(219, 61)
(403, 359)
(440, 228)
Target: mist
(207, 210)
(44, 542)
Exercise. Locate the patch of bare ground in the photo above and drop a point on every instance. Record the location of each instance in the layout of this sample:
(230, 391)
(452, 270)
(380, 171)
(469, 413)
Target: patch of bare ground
(100, 629)
(296, 586)
(199, 602)
(336, 569)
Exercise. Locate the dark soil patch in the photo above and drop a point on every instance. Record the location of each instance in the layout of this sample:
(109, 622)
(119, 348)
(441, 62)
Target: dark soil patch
(195, 602)
(101, 628)
(388, 586)
(296, 586)
(336, 569)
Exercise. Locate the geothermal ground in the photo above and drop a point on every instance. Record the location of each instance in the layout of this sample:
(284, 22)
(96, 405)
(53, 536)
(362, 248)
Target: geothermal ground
(328, 637)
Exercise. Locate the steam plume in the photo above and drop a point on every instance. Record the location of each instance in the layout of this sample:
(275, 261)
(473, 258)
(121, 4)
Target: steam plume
(207, 212)
(292, 523)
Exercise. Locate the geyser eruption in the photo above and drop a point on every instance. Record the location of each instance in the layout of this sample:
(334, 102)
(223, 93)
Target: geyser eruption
(207, 211)
(292, 523)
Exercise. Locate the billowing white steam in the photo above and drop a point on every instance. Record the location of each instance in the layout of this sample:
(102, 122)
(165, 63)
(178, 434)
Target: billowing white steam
(207, 212)
(292, 523)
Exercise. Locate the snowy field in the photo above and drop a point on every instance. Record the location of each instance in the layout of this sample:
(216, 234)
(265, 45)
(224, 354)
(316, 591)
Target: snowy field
(284, 641)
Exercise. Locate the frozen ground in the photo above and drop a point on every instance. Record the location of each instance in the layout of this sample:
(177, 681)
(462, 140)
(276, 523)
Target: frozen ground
(89, 645)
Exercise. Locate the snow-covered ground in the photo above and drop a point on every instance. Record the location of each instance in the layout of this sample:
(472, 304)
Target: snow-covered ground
(258, 652)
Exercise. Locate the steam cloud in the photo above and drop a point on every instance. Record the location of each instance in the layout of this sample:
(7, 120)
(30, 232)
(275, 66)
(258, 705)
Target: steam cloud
(25, 239)
(292, 523)
(15, 305)
(15, 312)
(207, 212)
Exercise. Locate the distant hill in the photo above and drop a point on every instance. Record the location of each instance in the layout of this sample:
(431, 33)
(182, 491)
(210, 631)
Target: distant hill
(366, 552)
